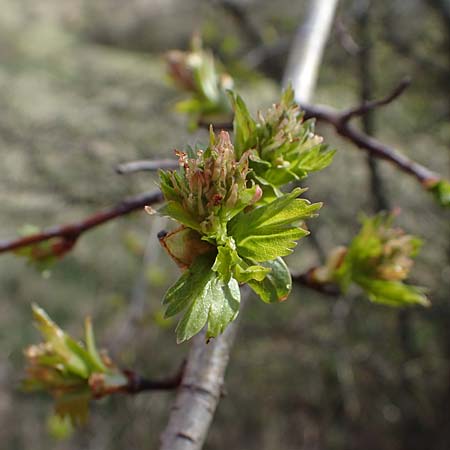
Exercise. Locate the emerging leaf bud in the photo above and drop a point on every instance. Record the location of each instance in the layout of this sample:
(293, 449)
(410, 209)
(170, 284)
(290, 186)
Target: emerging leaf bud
(71, 371)
(211, 188)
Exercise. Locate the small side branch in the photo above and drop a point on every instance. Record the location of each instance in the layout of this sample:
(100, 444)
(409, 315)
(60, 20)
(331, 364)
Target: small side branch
(137, 384)
(368, 106)
(307, 279)
(146, 165)
(67, 235)
(340, 120)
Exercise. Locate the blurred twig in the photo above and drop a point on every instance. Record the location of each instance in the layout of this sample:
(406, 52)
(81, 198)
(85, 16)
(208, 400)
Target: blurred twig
(146, 165)
(307, 279)
(68, 234)
(137, 384)
(340, 121)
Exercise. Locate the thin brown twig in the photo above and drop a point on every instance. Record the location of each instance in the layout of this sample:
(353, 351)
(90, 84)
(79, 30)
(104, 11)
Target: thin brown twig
(68, 234)
(367, 106)
(340, 120)
(308, 280)
(137, 384)
(146, 165)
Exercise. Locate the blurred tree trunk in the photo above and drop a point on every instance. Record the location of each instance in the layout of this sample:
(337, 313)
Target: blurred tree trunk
(308, 48)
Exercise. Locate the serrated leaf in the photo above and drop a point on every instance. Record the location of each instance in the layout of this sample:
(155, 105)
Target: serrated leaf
(277, 284)
(216, 304)
(245, 273)
(189, 286)
(226, 259)
(313, 160)
(271, 230)
(270, 243)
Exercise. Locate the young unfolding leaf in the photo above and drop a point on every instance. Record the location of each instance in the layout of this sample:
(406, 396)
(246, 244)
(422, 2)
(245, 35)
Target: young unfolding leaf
(277, 285)
(285, 147)
(73, 373)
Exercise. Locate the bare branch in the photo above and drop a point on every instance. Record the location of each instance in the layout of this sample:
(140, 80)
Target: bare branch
(308, 280)
(146, 165)
(67, 235)
(341, 123)
(367, 106)
(137, 384)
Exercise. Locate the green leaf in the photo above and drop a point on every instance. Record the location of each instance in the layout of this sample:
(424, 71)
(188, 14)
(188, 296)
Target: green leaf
(94, 356)
(244, 126)
(313, 160)
(225, 300)
(271, 230)
(288, 96)
(206, 299)
(216, 304)
(393, 293)
(226, 259)
(189, 286)
(175, 211)
(245, 273)
(277, 284)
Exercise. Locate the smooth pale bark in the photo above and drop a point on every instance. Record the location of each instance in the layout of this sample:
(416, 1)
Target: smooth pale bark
(201, 388)
(199, 392)
(308, 48)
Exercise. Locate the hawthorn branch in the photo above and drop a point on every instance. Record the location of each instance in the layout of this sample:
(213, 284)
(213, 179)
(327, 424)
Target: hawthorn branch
(67, 235)
(369, 105)
(340, 120)
(308, 280)
(137, 384)
(147, 165)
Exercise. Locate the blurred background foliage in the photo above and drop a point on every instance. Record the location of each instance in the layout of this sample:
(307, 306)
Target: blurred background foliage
(83, 88)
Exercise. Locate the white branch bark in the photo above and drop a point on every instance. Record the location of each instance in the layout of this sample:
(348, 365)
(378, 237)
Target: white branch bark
(308, 48)
(199, 392)
(201, 388)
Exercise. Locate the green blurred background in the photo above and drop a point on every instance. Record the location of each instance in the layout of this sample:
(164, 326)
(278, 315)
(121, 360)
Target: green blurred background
(83, 88)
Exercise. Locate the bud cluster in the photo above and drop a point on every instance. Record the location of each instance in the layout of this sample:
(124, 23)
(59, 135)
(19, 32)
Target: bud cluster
(212, 185)
(195, 71)
(379, 260)
(398, 249)
(283, 132)
(72, 372)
